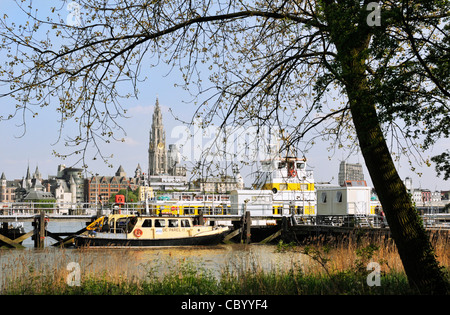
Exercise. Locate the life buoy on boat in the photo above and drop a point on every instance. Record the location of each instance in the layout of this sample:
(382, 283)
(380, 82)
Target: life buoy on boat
(292, 173)
(138, 232)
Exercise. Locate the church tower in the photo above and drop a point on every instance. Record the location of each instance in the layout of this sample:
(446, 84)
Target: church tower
(157, 153)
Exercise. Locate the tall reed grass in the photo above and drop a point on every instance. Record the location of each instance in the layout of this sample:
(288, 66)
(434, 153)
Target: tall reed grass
(331, 268)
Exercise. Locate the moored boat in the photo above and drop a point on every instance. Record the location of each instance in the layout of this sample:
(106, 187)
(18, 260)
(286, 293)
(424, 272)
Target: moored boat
(141, 231)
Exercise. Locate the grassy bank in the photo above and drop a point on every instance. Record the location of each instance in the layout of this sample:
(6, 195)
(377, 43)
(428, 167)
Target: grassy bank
(340, 268)
(192, 280)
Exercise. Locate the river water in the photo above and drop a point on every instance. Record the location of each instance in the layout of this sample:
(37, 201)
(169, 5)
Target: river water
(142, 262)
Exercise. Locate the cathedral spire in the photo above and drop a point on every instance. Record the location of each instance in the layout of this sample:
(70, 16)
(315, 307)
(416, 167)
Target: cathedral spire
(28, 176)
(157, 153)
(37, 174)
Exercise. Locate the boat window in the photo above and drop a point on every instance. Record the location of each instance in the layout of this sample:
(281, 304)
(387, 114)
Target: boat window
(147, 223)
(173, 223)
(281, 165)
(185, 223)
(218, 210)
(121, 225)
(292, 209)
(277, 209)
(189, 210)
(205, 210)
(324, 197)
(301, 166)
(131, 222)
(160, 223)
(338, 196)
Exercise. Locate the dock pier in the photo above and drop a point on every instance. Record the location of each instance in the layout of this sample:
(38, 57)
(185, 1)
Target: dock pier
(12, 237)
(39, 225)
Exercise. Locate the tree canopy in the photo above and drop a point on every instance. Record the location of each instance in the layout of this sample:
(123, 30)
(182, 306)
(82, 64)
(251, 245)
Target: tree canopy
(268, 63)
(357, 72)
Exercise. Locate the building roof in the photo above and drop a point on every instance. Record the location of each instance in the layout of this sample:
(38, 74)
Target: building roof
(39, 195)
(113, 179)
(121, 172)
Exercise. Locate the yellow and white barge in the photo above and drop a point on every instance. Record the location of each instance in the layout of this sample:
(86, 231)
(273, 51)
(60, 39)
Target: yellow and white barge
(283, 187)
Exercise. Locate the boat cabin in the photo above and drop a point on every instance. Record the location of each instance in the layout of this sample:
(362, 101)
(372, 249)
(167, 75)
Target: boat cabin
(122, 223)
(287, 173)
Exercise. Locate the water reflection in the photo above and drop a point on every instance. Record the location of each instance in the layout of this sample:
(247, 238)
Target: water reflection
(142, 262)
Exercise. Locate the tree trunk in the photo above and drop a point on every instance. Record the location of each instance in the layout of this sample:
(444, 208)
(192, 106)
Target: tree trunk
(411, 239)
(405, 223)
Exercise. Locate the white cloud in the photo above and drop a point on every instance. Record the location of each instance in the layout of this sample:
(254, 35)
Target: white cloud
(147, 110)
(141, 110)
(130, 141)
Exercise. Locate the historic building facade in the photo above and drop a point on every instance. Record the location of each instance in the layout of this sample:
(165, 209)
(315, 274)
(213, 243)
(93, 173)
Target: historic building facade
(8, 189)
(67, 186)
(98, 189)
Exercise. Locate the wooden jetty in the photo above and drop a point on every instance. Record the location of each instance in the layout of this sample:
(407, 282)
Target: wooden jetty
(39, 223)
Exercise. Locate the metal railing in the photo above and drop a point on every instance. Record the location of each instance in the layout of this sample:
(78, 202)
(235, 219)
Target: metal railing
(55, 208)
(27, 209)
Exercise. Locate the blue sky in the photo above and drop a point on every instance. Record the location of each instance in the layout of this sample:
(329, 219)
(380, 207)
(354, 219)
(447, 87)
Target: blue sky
(34, 148)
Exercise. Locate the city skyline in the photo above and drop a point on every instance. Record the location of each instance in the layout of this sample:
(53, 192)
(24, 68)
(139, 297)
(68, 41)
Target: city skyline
(35, 147)
(134, 151)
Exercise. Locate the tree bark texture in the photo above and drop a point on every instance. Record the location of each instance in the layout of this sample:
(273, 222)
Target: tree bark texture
(408, 232)
(405, 223)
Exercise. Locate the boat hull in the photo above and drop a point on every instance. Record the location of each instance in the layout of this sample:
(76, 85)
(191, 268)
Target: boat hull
(86, 241)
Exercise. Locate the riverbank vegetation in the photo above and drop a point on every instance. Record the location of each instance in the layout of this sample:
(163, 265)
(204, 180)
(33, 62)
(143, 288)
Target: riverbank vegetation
(340, 268)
